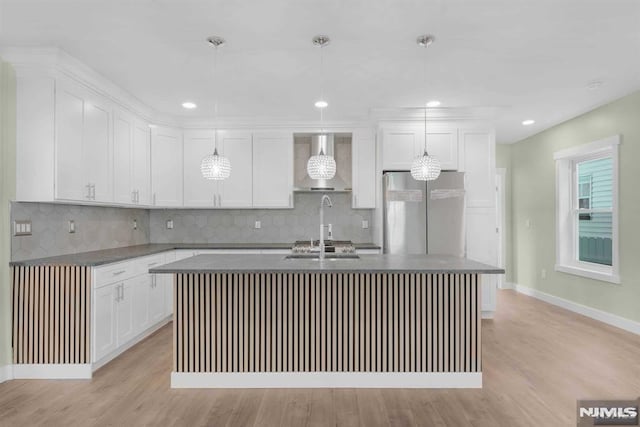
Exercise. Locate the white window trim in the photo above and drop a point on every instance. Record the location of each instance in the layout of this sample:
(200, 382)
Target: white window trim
(566, 261)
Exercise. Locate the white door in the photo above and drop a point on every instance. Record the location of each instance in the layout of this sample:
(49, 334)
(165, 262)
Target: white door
(122, 167)
(141, 292)
(104, 320)
(198, 191)
(71, 182)
(237, 190)
(156, 298)
(124, 313)
(482, 247)
(141, 162)
(96, 142)
(399, 147)
(273, 170)
(166, 167)
(479, 167)
(364, 170)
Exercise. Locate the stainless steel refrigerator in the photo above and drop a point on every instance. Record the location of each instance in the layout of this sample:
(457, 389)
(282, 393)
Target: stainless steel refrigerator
(424, 217)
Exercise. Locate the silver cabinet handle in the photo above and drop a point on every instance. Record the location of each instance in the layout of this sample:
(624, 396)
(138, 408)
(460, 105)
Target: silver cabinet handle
(154, 199)
(88, 186)
(151, 264)
(122, 290)
(117, 273)
(355, 201)
(133, 196)
(93, 191)
(137, 196)
(290, 201)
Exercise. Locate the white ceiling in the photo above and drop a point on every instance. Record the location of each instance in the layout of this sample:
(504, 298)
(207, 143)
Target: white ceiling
(533, 59)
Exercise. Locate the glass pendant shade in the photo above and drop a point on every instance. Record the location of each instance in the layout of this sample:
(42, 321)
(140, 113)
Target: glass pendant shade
(425, 168)
(321, 166)
(215, 166)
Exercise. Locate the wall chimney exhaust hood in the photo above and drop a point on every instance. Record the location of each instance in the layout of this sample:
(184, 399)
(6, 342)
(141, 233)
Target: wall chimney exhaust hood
(336, 145)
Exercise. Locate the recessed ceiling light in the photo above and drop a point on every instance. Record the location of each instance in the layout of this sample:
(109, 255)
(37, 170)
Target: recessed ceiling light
(321, 104)
(432, 104)
(528, 122)
(189, 105)
(594, 84)
(152, 126)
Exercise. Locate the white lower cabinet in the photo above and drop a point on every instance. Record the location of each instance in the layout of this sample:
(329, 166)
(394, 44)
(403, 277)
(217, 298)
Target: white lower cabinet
(127, 309)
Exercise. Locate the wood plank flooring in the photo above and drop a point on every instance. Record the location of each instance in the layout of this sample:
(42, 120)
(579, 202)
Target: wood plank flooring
(538, 359)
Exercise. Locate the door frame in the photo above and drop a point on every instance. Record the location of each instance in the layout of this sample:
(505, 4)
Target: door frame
(501, 181)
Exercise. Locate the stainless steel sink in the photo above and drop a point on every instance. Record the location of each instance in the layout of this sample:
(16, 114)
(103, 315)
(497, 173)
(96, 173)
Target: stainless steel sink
(327, 256)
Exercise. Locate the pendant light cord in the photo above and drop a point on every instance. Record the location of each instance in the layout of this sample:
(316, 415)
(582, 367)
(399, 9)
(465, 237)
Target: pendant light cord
(215, 99)
(322, 88)
(426, 94)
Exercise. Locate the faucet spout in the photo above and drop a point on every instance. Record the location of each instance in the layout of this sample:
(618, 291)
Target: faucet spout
(325, 200)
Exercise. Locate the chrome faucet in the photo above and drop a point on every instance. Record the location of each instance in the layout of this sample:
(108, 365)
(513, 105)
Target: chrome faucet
(327, 200)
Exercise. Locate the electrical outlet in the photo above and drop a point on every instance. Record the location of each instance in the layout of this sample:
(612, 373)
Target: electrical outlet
(365, 223)
(135, 224)
(72, 226)
(169, 224)
(22, 228)
(258, 224)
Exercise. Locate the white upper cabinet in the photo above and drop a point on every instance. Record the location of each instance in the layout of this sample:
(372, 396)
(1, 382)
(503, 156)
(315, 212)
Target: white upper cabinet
(70, 180)
(401, 145)
(83, 158)
(364, 170)
(273, 170)
(166, 166)
(198, 191)
(96, 143)
(123, 191)
(237, 190)
(141, 162)
(477, 160)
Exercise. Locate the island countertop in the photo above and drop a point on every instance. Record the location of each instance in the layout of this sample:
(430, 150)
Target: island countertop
(366, 264)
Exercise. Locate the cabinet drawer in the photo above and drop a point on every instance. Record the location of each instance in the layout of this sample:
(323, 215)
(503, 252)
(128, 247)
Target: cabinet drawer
(144, 264)
(114, 273)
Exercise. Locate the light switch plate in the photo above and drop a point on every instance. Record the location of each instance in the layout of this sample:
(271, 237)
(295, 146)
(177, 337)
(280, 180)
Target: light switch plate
(22, 228)
(258, 224)
(169, 224)
(365, 223)
(72, 226)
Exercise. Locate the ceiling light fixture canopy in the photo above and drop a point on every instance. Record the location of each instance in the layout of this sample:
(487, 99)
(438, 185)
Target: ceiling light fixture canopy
(320, 165)
(425, 167)
(215, 166)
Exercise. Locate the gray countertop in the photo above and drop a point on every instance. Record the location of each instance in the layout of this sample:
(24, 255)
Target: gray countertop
(366, 264)
(108, 256)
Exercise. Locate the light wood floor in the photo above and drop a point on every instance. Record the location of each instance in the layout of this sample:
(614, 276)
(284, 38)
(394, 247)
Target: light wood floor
(538, 359)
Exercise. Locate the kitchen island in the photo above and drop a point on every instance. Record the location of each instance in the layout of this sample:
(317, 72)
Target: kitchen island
(378, 321)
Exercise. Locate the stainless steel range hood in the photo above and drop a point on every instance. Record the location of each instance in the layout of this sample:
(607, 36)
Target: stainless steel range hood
(326, 143)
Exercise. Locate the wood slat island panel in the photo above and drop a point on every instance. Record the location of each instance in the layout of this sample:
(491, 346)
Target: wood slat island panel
(327, 322)
(51, 309)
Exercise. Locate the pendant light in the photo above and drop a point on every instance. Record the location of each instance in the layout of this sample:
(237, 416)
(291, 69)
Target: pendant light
(320, 165)
(215, 166)
(425, 167)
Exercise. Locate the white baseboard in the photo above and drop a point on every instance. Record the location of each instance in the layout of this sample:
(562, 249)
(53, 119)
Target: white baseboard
(52, 371)
(6, 373)
(508, 285)
(142, 335)
(593, 313)
(327, 380)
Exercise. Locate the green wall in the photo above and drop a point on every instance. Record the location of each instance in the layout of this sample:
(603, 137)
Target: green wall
(533, 200)
(7, 193)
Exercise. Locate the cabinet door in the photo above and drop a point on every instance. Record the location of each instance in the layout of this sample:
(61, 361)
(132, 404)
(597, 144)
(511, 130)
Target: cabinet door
(399, 147)
(443, 145)
(237, 191)
(71, 183)
(156, 298)
(122, 167)
(478, 158)
(141, 292)
(482, 246)
(141, 162)
(96, 140)
(166, 167)
(104, 320)
(198, 191)
(124, 313)
(273, 171)
(364, 170)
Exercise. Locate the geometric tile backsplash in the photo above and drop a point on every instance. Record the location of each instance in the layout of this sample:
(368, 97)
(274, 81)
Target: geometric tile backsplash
(110, 227)
(277, 225)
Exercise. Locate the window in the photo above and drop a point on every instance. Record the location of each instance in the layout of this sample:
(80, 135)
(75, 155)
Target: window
(586, 217)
